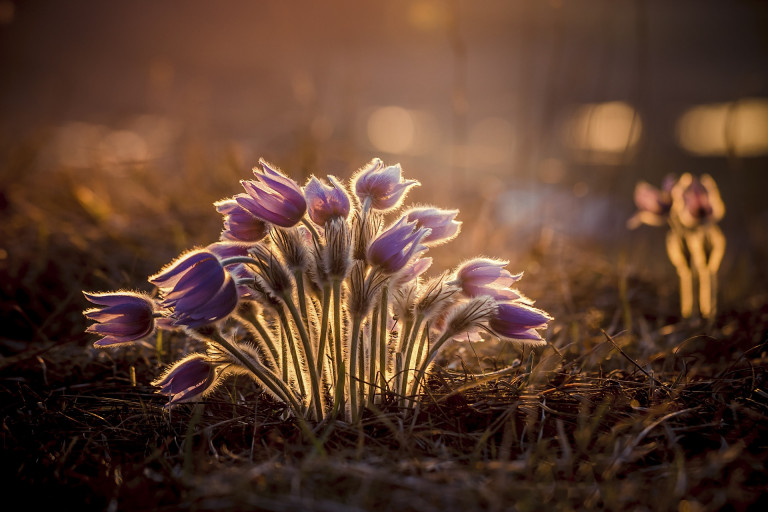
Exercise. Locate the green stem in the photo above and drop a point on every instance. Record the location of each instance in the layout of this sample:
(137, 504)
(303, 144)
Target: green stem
(428, 359)
(299, 278)
(316, 397)
(323, 331)
(410, 344)
(374, 341)
(415, 385)
(339, 356)
(383, 340)
(294, 354)
(311, 229)
(253, 320)
(353, 385)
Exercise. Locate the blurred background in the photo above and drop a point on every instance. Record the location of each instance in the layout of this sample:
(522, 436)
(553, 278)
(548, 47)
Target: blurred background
(121, 121)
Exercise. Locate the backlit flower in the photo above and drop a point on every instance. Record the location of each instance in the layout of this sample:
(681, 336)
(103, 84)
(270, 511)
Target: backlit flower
(441, 223)
(697, 200)
(187, 379)
(198, 289)
(653, 204)
(394, 248)
(273, 197)
(125, 317)
(239, 224)
(484, 276)
(382, 187)
(518, 321)
(326, 202)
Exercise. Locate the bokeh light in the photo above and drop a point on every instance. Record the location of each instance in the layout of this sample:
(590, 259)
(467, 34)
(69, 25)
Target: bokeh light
(739, 128)
(602, 133)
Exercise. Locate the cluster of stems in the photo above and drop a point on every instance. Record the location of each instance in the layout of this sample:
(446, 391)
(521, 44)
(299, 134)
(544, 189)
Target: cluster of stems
(320, 300)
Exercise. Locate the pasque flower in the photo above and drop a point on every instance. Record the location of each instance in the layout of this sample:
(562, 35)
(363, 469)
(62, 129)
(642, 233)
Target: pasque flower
(240, 225)
(485, 276)
(518, 321)
(653, 204)
(383, 187)
(198, 289)
(125, 317)
(326, 202)
(697, 200)
(395, 247)
(187, 379)
(273, 197)
(441, 223)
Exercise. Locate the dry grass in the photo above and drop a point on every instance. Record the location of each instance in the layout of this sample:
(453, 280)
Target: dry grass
(667, 415)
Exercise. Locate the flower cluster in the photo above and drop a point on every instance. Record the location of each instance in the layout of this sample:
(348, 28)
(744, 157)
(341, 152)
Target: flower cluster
(691, 206)
(320, 298)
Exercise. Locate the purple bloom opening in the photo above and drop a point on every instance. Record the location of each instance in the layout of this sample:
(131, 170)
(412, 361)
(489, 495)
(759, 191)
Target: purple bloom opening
(518, 321)
(653, 204)
(239, 224)
(326, 202)
(198, 289)
(273, 197)
(395, 247)
(697, 200)
(382, 187)
(126, 317)
(187, 379)
(441, 222)
(484, 276)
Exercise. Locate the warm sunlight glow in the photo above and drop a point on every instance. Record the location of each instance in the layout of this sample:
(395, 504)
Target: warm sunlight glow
(490, 141)
(717, 129)
(603, 132)
(391, 129)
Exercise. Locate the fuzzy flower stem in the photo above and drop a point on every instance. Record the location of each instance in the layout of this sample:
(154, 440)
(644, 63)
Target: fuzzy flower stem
(410, 345)
(294, 355)
(353, 384)
(299, 277)
(374, 342)
(323, 331)
(340, 370)
(239, 259)
(252, 324)
(417, 377)
(277, 386)
(311, 229)
(383, 340)
(316, 398)
(428, 359)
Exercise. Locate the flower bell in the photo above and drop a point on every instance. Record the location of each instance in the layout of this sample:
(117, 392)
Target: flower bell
(326, 202)
(697, 201)
(239, 224)
(273, 197)
(198, 289)
(653, 204)
(485, 276)
(187, 379)
(442, 223)
(518, 321)
(381, 187)
(395, 247)
(126, 317)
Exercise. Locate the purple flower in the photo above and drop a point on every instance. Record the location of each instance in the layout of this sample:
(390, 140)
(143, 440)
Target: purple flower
(653, 204)
(239, 224)
(326, 202)
(187, 379)
(198, 289)
(273, 197)
(697, 201)
(441, 222)
(394, 248)
(484, 276)
(239, 271)
(126, 317)
(518, 321)
(383, 188)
